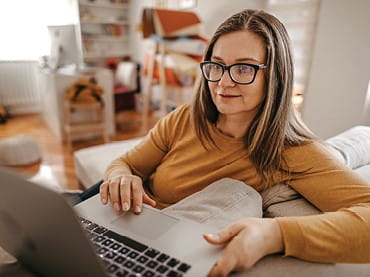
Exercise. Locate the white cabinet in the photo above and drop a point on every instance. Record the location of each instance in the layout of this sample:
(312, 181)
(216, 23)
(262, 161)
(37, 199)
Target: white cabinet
(104, 29)
(53, 87)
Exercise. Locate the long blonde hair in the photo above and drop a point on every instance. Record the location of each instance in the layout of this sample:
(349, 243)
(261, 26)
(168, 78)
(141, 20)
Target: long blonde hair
(276, 124)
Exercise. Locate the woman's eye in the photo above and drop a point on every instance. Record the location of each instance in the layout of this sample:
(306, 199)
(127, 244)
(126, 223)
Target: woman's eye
(244, 69)
(215, 67)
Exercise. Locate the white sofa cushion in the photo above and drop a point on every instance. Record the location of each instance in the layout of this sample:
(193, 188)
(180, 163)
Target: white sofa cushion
(91, 162)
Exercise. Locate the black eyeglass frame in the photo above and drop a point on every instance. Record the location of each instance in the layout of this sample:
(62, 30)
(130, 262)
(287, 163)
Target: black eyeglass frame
(227, 68)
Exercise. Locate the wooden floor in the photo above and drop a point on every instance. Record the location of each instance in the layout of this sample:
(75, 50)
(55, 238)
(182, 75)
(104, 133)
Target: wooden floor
(56, 164)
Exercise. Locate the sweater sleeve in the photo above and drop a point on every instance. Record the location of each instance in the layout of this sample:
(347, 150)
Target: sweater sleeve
(342, 233)
(147, 155)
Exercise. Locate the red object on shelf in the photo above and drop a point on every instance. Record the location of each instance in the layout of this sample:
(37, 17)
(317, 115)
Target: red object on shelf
(124, 98)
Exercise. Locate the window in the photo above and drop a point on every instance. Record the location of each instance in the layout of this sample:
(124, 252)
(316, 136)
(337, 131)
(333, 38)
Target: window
(23, 26)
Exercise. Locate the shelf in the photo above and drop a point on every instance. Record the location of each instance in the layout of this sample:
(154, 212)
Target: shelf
(104, 38)
(108, 6)
(104, 30)
(105, 21)
(104, 55)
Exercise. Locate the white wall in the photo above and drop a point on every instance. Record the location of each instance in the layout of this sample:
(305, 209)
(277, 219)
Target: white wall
(211, 13)
(340, 72)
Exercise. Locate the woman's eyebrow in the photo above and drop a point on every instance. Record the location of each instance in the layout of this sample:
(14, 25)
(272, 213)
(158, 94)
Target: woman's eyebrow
(246, 59)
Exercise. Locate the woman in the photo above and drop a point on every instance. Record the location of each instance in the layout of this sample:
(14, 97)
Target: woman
(242, 125)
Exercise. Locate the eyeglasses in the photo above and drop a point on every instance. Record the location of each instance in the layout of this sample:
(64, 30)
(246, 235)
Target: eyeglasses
(240, 73)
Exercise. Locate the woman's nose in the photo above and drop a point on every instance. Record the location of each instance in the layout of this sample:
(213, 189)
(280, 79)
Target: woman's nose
(225, 80)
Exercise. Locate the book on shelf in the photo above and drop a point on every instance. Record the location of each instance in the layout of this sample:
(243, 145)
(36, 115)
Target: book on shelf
(169, 23)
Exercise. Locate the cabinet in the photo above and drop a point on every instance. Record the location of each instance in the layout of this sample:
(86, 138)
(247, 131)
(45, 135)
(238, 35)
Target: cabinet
(104, 30)
(96, 125)
(53, 86)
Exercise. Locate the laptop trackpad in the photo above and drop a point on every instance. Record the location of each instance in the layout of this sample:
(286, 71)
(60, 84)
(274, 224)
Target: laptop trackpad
(150, 224)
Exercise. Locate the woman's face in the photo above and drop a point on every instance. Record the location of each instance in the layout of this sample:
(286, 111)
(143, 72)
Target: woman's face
(229, 97)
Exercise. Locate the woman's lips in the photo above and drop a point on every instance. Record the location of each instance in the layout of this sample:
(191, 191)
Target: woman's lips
(220, 91)
(228, 95)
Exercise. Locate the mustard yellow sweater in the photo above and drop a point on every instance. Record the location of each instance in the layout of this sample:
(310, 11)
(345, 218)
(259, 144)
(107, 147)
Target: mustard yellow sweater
(174, 163)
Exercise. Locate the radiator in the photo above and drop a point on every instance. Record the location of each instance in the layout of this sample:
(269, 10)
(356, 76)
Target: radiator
(19, 91)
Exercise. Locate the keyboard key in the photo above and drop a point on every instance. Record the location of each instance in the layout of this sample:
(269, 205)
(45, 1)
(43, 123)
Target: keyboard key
(99, 239)
(133, 254)
(152, 264)
(173, 262)
(151, 252)
(122, 273)
(148, 273)
(129, 264)
(124, 250)
(162, 269)
(127, 241)
(110, 255)
(138, 269)
(100, 230)
(162, 258)
(173, 273)
(116, 246)
(85, 221)
(112, 268)
(107, 242)
(184, 267)
(91, 226)
(102, 251)
(120, 259)
(142, 259)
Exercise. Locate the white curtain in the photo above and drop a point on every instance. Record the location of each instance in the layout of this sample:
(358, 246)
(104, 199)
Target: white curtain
(23, 26)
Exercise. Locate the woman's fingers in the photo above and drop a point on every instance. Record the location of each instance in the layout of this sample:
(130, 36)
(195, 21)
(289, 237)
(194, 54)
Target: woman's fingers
(137, 195)
(103, 191)
(148, 200)
(125, 193)
(114, 193)
(224, 235)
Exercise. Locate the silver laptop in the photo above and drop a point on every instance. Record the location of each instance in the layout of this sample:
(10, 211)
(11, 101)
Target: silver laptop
(49, 238)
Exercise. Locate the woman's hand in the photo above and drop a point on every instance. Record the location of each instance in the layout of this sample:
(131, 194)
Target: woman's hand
(125, 191)
(248, 240)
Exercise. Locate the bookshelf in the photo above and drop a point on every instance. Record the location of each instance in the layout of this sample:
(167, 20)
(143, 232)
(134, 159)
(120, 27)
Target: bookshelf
(104, 30)
(171, 66)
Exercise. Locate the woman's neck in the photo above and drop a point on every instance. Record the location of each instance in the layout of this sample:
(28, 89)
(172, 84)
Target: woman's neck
(234, 126)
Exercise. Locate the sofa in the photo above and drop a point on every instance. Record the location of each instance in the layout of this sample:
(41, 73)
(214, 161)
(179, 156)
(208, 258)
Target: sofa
(352, 147)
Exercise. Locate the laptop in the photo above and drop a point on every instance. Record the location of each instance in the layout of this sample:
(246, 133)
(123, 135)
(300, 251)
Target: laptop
(50, 238)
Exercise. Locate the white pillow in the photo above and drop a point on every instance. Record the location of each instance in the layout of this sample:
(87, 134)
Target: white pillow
(352, 146)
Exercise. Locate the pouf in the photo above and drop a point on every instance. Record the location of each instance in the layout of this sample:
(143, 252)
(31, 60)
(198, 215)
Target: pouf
(19, 150)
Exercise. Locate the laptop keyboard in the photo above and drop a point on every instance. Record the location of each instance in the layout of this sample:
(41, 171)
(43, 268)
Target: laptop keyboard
(123, 256)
